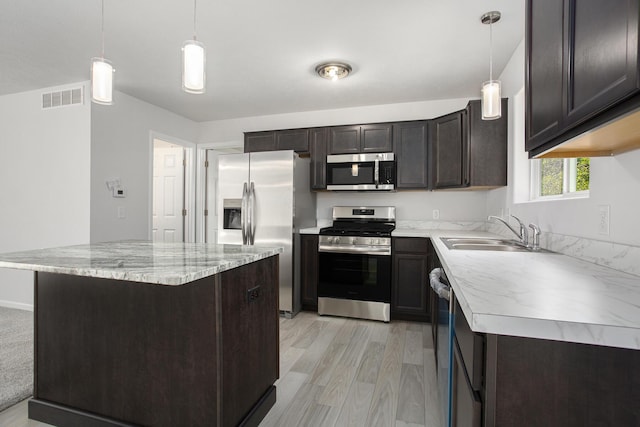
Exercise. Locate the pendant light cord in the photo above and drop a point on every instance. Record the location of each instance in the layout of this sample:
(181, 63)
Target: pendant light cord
(491, 49)
(102, 28)
(194, 18)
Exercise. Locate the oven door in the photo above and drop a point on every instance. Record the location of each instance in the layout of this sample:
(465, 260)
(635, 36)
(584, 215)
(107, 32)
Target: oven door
(355, 276)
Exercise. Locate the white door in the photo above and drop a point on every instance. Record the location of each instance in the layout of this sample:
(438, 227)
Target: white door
(168, 192)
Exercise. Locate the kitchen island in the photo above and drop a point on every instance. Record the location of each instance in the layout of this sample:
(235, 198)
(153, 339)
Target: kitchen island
(141, 333)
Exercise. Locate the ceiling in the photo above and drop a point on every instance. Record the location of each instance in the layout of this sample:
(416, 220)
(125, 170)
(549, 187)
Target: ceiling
(261, 55)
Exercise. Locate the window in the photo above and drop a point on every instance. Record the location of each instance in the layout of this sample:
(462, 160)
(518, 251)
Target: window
(560, 178)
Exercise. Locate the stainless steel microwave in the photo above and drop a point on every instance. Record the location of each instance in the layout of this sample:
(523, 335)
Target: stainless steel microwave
(369, 171)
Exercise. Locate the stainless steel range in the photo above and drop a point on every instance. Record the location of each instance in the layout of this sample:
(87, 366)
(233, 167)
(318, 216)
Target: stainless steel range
(355, 263)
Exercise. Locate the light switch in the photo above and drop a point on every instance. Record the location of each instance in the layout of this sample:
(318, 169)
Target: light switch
(121, 213)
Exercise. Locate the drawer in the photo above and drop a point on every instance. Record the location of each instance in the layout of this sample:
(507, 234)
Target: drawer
(411, 244)
(471, 347)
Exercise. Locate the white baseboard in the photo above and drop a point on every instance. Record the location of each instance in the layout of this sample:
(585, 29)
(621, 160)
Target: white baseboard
(18, 305)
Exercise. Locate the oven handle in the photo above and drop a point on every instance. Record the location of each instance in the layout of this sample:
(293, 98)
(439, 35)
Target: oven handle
(365, 250)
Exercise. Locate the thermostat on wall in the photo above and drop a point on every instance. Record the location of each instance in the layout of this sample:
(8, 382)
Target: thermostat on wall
(119, 191)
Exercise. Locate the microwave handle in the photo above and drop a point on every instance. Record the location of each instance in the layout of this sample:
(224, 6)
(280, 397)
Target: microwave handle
(376, 171)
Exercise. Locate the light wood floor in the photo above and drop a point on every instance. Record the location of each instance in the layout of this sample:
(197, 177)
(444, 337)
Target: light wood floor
(342, 372)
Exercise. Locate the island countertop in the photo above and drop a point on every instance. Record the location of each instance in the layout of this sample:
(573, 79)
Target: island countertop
(139, 261)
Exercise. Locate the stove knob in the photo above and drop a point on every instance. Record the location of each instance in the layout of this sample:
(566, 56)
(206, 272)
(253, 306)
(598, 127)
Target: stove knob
(353, 240)
(334, 240)
(375, 241)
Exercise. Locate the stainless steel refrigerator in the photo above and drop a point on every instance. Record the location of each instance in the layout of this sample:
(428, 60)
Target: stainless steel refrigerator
(264, 199)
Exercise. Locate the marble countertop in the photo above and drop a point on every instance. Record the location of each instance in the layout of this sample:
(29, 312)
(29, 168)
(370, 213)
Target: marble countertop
(139, 261)
(542, 295)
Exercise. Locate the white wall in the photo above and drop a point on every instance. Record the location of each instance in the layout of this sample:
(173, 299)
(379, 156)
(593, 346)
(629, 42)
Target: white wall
(44, 181)
(615, 181)
(413, 205)
(121, 148)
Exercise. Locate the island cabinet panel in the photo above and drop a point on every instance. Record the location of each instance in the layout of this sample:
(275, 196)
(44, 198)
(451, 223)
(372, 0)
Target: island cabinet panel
(126, 350)
(113, 352)
(250, 344)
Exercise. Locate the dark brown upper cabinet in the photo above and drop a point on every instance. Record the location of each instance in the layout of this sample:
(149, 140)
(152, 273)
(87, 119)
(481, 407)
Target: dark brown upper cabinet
(468, 152)
(448, 151)
(411, 148)
(259, 141)
(375, 138)
(291, 139)
(487, 147)
(581, 72)
(318, 150)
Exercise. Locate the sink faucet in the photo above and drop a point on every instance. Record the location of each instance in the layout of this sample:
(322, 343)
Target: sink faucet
(536, 237)
(523, 235)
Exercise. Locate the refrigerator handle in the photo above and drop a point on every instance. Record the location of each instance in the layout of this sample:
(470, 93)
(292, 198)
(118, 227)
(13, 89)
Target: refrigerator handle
(244, 213)
(252, 213)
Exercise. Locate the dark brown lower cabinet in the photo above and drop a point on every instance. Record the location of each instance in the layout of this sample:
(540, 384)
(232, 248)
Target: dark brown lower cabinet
(411, 293)
(466, 404)
(113, 352)
(506, 381)
(309, 271)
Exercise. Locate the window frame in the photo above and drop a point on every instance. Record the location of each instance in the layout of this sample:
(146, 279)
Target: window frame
(569, 178)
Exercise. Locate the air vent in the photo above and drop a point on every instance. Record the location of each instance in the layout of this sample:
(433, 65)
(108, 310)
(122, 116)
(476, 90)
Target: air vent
(62, 98)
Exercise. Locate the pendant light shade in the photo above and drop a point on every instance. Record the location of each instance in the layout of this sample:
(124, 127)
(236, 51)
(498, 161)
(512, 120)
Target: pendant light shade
(101, 81)
(491, 98)
(193, 62)
(102, 73)
(193, 67)
(491, 105)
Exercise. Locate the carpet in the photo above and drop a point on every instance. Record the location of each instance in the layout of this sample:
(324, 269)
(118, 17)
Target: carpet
(16, 356)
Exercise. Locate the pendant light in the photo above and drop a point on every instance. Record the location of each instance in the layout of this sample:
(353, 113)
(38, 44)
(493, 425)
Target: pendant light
(491, 102)
(102, 74)
(193, 62)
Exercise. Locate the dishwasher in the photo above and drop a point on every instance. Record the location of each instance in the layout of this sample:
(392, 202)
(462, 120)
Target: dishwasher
(444, 340)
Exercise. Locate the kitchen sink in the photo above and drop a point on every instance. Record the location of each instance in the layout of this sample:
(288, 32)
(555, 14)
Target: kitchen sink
(484, 244)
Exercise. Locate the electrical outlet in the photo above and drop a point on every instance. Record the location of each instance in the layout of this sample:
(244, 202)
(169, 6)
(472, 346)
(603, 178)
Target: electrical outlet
(603, 219)
(436, 214)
